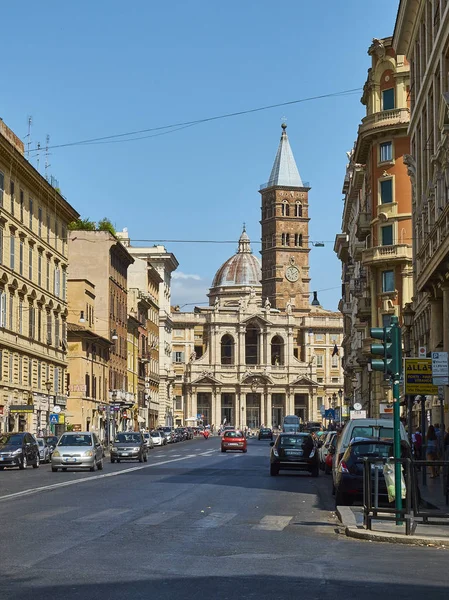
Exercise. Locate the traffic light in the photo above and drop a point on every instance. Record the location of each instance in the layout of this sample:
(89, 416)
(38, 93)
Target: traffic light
(390, 349)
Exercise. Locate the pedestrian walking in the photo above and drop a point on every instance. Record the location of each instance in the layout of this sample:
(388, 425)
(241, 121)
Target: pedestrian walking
(417, 444)
(432, 449)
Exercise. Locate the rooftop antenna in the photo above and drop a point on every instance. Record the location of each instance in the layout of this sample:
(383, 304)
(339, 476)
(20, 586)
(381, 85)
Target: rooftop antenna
(38, 155)
(28, 136)
(47, 164)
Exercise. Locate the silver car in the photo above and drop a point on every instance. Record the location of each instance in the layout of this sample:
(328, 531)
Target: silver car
(44, 450)
(80, 450)
(148, 440)
(158, 438)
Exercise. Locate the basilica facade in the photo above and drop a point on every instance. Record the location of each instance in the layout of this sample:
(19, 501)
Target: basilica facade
(261, 349)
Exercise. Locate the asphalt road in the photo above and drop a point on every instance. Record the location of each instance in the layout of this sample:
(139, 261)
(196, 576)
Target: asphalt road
(194, 523)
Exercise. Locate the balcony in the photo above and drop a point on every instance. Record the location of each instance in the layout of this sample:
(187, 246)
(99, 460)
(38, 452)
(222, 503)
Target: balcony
(363, 225)
(379, 121)
(363, 307)
(347, 308)
(387, 254)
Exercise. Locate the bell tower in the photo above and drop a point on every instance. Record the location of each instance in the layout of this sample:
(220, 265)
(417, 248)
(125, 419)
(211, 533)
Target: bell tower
(285, 234)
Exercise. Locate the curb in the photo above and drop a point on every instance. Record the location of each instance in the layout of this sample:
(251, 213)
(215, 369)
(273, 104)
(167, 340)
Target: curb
(392, 538)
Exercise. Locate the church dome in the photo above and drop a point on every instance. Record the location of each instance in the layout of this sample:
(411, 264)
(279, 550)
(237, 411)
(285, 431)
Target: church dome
(242, 269)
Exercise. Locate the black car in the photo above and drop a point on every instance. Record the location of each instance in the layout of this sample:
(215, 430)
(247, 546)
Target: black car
(265, 434)
(349, 474)
(298, 451)
(18, 449)
(51, 441)
(129, 445)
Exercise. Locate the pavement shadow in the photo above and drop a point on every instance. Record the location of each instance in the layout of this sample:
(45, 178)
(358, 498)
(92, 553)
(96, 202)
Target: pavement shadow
(221, 588)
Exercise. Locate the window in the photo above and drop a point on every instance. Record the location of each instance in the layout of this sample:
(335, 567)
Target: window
(11, 311)
(298, 240)
(178, 357)
(57, 282)
(386, 191)
(387, 235)
(30, 207)
(285, 209)
(22, 196)
(178, 332)
(11, 367)
(21, 256)
(319, 379)
(56, 380)
(49, 326)
(388, 281)
(31, 318)
(3, 309)
(48, 275)
(39, 269)
(12, 196)
(388, 99)
(298, 209)
(30, 263)
(64, 285)
(1, 245)
(21, 315)
(178, 404)
(334, 362)
(334, 338)
(285, 239)
(386, 320)
(39, 221)
(20, 369)
(2, 188)
(319, 361)
(39, 374)
(319, 337)
(386, 152)
(48, 228)
(334, 379)
(39, 324)
(12, 250)
(30, 372)
(56, 237)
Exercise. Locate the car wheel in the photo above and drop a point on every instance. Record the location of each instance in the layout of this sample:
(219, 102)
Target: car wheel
(93, 467)
(223, 450)
(23, 464)
(37, 463)
(54, 469)
(342, 499)
(326, 469)
(245, 450)
(274, 470)
(112, 460)
(64, 469)
(118, 460)
(100, 465)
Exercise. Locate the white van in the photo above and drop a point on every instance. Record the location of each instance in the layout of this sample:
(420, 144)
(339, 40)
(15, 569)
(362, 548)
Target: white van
(365, 428)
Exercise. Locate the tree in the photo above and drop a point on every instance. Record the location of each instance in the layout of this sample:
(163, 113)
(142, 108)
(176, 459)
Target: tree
(106, 225)
(82, 225)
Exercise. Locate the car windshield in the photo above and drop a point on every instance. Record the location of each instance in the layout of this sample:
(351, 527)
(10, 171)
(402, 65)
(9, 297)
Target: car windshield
(75, 440)
(293, 441)
(128, 437)
(375, 431)
(381, 450)
(233, 434)
(155, 434)
(265, 430)
(14, 440)
(40, 442)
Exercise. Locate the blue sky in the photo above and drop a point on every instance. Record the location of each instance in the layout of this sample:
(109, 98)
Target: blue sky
(89, 69)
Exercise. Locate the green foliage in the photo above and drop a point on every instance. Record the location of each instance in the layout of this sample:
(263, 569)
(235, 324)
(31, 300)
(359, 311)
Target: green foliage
(106, 225)
(82, 225)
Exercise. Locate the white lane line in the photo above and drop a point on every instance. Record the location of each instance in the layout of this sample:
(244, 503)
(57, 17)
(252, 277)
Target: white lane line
(157, 518)
(273, 523)
(213, 520)
(47, 514)
(55, 486)
(177, 455)
(103, 515)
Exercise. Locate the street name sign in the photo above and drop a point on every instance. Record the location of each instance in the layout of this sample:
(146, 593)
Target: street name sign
(358, 414)
(440, 368)
(418, 377)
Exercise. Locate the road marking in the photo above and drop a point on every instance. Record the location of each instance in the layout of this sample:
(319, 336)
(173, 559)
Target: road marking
(158, 517)
(104, 515)
(55, 486)
(273, 523)
(46, 514)
(177, 455)
(213, 520)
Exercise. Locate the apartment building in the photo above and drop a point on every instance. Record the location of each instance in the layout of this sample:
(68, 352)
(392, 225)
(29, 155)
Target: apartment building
(33, 294)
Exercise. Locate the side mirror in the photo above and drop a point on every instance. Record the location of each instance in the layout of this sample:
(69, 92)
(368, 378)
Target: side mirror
(271, 443)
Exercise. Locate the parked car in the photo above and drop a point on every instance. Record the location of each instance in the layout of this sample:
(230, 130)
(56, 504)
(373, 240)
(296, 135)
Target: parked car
(324, 449)
(148, 441)
(265, 434)
(51, 441)
(330, 455)
(77, 450)
(44, 450)
(367, 428)
(349, 475)
(233, 440)
(18, 449)
(298, 451)
(129, 446)
(158, 438)
(169, 434)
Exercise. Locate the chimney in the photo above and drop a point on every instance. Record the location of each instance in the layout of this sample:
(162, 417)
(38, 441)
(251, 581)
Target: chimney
(315, 301)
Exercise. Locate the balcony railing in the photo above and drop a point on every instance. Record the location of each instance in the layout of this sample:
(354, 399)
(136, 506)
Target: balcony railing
(395, 116)
(363, 227)
(397, 252)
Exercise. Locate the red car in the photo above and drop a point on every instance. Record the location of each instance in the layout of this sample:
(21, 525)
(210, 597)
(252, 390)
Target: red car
(233, 440)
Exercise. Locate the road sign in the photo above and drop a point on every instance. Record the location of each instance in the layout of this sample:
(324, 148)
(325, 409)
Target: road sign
(329, 414)
(358, 414)
(357, 406)
(422, 352)
(54, 419)
(418, 377)
(440, 368)
(56, 409)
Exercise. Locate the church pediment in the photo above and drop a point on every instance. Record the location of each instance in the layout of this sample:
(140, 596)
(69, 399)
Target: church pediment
(206, 379)
(305, 381)
(257, 319)
(260, 379)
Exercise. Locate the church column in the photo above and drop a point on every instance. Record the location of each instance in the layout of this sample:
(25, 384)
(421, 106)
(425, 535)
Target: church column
(218, 403)
(268, 422)
(263, 419)
(194, 403)
(188, 405)
(241, 348)
(265, 356)
(290, 402)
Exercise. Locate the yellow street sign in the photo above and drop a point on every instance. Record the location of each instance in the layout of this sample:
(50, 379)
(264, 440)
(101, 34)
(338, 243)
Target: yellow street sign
(418, 377)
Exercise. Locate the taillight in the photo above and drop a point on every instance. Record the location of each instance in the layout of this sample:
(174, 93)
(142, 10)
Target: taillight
(343, 467)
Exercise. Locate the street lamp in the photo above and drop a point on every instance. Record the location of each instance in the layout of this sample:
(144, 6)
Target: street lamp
(340, 395)
(48, 388)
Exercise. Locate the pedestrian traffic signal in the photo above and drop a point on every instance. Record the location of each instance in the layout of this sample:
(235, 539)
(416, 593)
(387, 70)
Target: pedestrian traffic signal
(390, 349)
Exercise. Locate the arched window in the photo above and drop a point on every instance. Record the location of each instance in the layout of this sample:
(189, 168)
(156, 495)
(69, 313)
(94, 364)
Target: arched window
(227, 350)
(252, 345)
(298, 209)
(277, 350)
(285, 209)
(285, 239)
(298, 240)
(273, 240)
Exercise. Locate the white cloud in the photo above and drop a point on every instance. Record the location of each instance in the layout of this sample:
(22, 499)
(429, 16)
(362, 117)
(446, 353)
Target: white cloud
(181, 275)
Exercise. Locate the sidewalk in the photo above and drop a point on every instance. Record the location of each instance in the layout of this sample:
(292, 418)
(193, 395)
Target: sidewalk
(387, 531)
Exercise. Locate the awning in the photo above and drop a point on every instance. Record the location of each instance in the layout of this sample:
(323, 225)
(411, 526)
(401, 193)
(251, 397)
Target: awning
(140, 419)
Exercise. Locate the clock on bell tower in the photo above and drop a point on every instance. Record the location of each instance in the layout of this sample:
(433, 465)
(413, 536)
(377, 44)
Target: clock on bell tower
(285, 233)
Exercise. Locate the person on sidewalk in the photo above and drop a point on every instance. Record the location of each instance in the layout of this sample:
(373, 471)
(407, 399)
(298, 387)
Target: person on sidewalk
(432, 449)
(417, 444)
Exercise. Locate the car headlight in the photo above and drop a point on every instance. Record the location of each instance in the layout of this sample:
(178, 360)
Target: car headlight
(114, 449)
(17, 452)
(88, 453)
(56, 453)
(136, 449)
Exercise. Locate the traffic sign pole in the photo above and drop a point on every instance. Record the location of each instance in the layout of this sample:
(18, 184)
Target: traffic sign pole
(397, 449)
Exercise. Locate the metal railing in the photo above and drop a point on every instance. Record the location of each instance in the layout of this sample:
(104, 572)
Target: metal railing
(414, 511)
